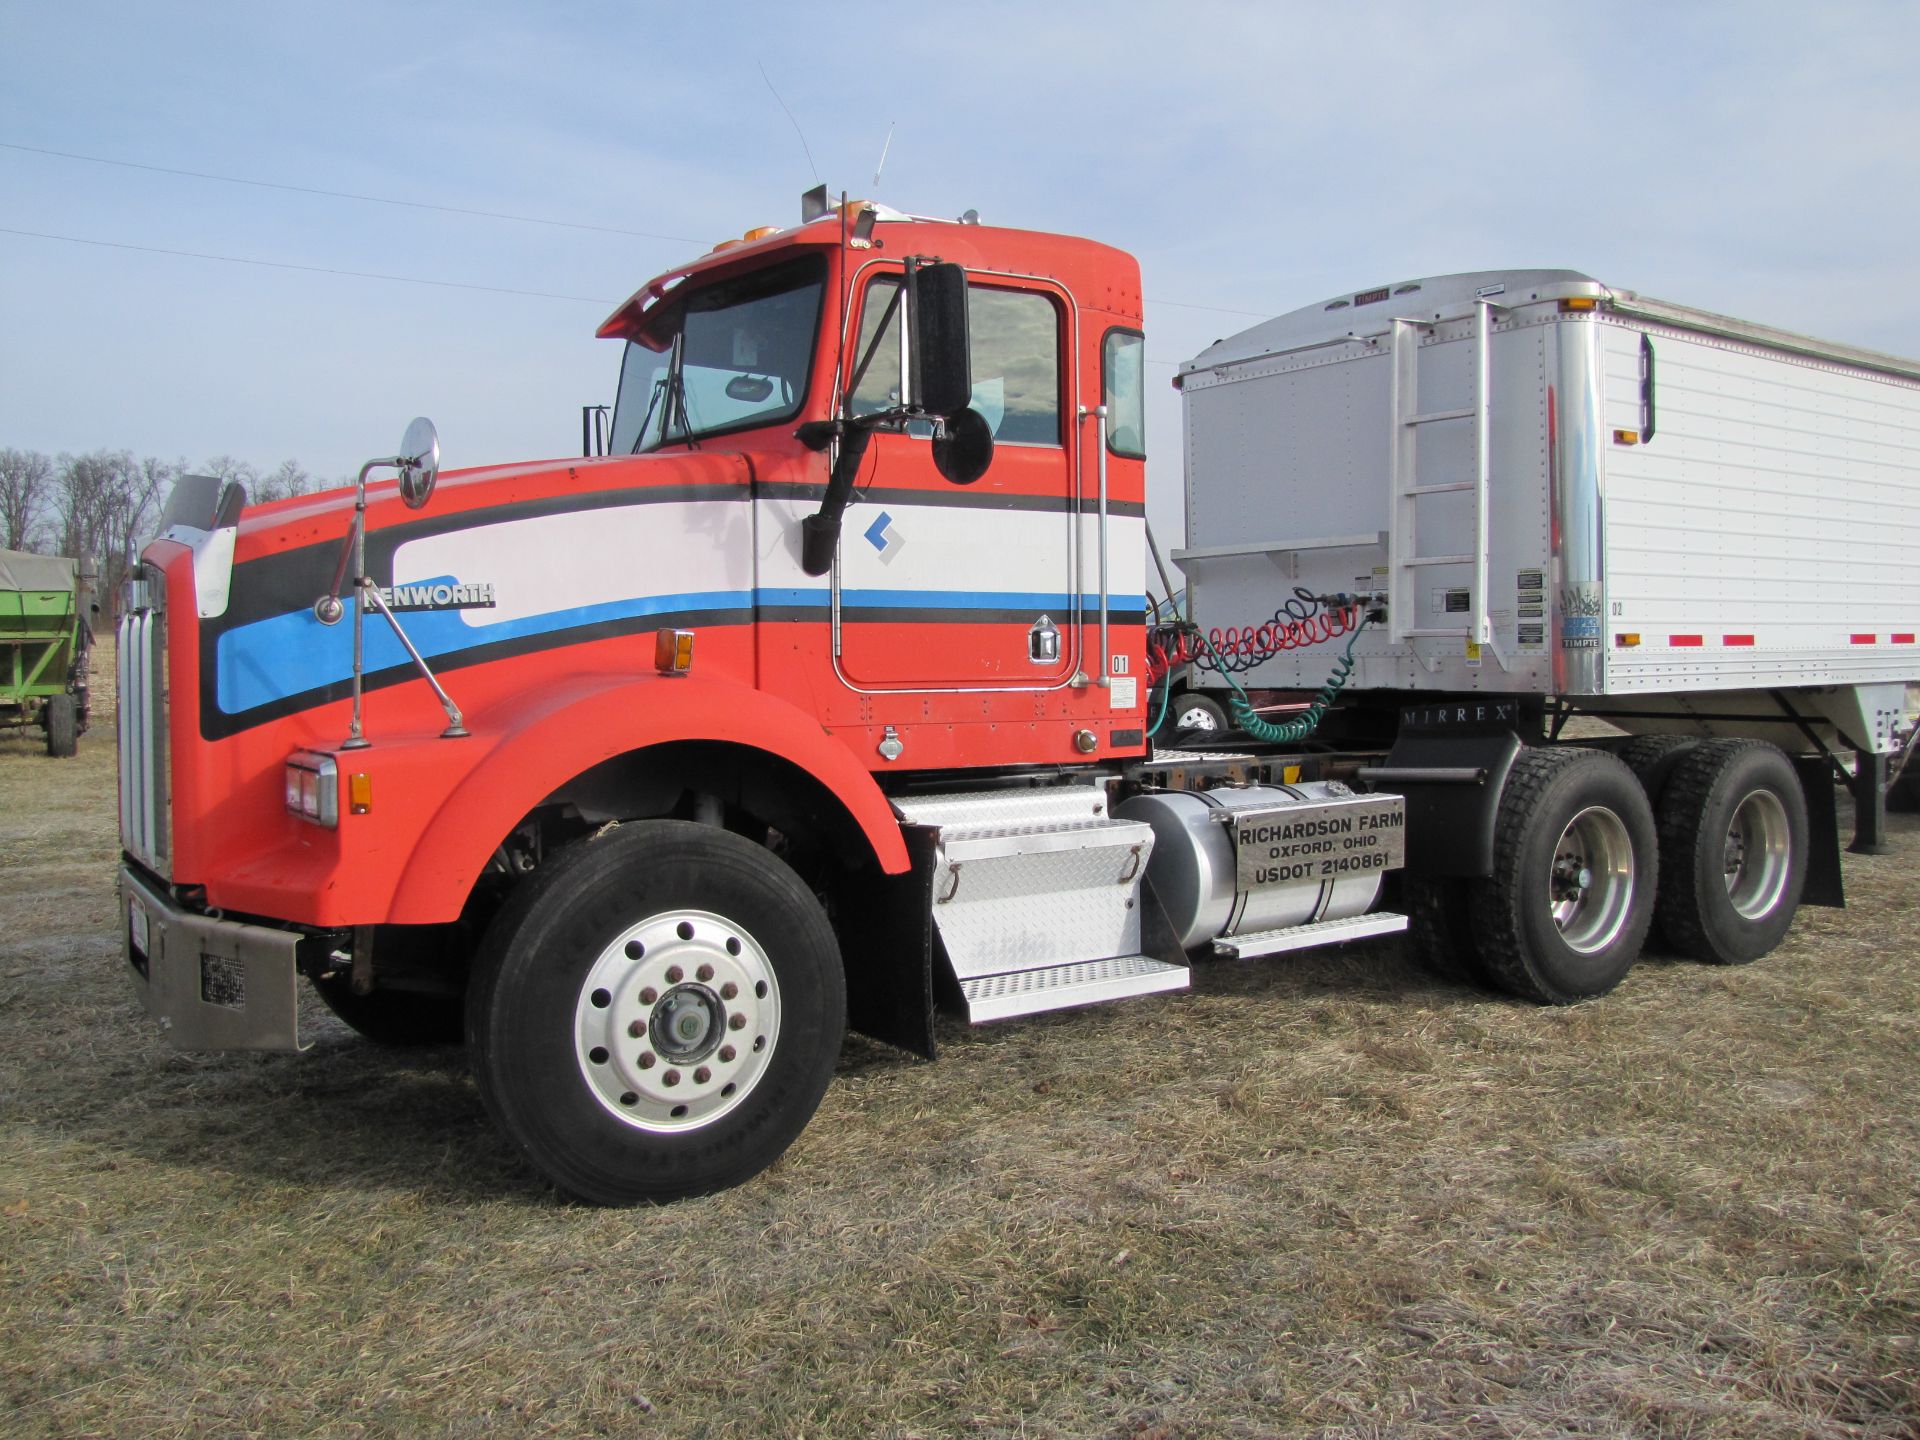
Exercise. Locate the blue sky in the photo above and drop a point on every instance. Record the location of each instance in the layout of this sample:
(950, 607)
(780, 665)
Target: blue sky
(1759, 159)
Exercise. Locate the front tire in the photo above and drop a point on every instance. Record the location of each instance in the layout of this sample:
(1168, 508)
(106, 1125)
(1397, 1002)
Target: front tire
(1568, 905)
(656, 1013)
(1733, 831)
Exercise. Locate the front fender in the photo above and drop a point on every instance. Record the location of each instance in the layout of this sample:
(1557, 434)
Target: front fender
(566, 729)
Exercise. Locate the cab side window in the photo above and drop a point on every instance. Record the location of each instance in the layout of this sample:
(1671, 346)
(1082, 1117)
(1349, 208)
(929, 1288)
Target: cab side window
(1016, 360)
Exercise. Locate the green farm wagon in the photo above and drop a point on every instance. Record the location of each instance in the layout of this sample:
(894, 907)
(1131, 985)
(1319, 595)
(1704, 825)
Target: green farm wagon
(46, 632)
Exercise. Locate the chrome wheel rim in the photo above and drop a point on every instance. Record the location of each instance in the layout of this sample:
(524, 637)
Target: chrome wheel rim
(1758, 848)
(1590, 880)
(1195, 717)
(677, 1021)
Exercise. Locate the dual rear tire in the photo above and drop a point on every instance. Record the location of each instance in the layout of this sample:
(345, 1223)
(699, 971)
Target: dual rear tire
(1706, 839)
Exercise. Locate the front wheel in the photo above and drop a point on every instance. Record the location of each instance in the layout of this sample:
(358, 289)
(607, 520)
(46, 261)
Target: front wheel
(657, 1013)
(1568, 905)
(1733, 830)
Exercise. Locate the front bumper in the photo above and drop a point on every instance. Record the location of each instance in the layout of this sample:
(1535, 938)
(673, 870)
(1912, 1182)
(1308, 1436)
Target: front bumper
(211, 984)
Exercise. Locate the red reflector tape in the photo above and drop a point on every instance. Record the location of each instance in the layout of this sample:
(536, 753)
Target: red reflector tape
(1736, 639)
(1863, 639)
(1686, 640)
(1902, 639)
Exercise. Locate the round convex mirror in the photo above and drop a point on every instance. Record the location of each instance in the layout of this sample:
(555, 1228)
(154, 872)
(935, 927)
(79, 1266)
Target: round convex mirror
(963, 447)
(419, 462)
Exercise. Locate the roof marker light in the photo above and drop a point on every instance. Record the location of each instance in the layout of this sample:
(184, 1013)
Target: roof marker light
(1580, 302)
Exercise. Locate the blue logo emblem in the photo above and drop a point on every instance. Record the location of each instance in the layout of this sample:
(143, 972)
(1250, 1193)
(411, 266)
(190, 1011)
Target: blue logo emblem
(888, 541)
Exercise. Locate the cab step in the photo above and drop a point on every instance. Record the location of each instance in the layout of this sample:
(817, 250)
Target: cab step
(1311, 936)
(1061, 987)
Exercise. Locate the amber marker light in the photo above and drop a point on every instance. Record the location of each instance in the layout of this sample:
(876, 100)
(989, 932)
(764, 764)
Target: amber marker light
(1626, 437)
(1627, 640)
(1580, 302)
(673, 651)
(360, 793)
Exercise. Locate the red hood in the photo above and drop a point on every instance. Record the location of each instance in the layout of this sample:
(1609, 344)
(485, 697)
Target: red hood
(324, 516)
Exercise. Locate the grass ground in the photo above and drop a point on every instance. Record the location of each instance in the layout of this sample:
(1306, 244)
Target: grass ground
(1320, 1196)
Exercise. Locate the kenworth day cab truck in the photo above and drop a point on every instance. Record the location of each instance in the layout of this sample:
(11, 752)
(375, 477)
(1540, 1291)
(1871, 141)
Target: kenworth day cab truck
(830, 692)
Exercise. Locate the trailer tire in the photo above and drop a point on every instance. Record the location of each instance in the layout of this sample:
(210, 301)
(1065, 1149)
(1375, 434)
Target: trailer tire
(656, 1013)
(1440, 928)
(1566, 910)
(1652, 759)
(63, 727)
(1197, 714)
(399, 1019)
(1733, 839)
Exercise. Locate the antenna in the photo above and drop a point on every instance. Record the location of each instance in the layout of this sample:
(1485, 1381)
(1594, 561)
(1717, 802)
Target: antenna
(795, 123)
(888, 145)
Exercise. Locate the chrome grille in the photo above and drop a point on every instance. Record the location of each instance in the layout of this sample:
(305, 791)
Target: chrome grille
(142, 671)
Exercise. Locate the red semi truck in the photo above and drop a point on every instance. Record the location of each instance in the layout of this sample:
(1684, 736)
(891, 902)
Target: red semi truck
(827, 696)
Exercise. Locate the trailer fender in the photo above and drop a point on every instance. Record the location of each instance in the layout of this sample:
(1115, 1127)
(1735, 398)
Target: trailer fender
(551, 738)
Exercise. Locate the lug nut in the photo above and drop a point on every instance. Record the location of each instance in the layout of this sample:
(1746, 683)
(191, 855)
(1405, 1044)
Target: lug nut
(729, 990)
(649, 995)
(703, 974)
(736, 1022)
(675, 974)
(636, 1029)
(702, 1075)
(646, 1060)
(672, 1077)
(727, 1052)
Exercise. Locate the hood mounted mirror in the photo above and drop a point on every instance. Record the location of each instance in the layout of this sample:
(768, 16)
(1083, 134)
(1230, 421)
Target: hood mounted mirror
(419, 462)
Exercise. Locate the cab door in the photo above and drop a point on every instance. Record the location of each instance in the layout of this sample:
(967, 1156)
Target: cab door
(949, 587)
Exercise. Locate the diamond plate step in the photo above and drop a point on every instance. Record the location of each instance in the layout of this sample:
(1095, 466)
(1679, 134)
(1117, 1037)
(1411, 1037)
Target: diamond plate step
(1061, 987)
(1307, 937)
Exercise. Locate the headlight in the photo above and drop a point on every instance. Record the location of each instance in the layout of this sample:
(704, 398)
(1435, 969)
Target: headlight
(313, 788)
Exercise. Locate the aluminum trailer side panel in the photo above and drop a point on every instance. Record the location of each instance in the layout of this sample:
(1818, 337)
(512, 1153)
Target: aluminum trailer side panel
(1769, 534)
(1766, 536)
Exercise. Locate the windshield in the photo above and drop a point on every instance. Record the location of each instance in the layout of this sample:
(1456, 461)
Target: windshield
(744, 349)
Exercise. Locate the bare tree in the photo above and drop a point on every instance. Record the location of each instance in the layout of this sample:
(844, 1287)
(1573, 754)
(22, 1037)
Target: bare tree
(105, 500)
(284, 483)
(225, 467)
(23, 486)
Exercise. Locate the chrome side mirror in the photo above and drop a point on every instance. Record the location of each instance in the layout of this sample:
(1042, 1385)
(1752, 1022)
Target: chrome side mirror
(419, 461)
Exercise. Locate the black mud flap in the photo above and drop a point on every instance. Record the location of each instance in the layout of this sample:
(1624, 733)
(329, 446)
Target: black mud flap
(1452, 785)
(886, 943)
(1825, 885)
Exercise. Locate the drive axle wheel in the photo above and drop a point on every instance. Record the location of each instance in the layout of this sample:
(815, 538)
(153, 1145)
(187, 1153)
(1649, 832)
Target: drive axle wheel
(1733, 830)
(1567, 908)
(656, 1013)
(1195, 714)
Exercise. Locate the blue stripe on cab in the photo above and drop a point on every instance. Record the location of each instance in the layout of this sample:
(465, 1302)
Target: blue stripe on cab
(293, 654)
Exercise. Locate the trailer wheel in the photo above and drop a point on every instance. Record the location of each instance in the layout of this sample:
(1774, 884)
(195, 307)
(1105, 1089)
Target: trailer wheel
(1733, 834)
(402, 1019)
(1196, 714)
(656, 1013)
(63, 727)
(1652, 758)
(1440, 928)
(1567, 908)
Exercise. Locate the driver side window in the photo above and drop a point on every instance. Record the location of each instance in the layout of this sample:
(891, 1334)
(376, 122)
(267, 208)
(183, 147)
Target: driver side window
(1015, 360)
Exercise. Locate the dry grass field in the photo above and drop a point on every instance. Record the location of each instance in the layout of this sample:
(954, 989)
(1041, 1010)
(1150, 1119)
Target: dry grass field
(1321, 1196)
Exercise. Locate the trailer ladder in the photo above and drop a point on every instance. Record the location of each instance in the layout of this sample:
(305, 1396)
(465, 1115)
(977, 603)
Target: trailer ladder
(1404, 558)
